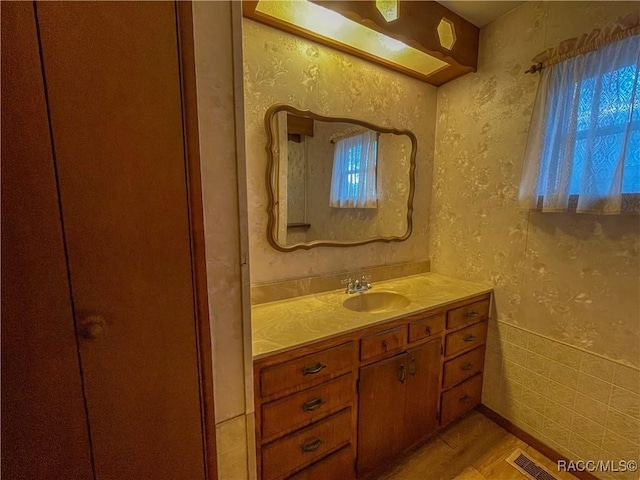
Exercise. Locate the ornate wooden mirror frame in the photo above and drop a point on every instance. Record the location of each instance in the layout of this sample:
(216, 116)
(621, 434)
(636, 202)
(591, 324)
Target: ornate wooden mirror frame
(272, 175)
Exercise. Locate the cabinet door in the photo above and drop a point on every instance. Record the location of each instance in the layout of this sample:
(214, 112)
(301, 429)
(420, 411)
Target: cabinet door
(381, 412)
(44, 426)
(423, 380)
(112, 73)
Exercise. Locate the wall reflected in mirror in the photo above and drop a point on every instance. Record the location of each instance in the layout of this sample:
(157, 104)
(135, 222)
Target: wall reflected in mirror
(337, 181)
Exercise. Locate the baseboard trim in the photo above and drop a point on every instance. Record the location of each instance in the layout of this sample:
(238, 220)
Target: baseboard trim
(529, 439)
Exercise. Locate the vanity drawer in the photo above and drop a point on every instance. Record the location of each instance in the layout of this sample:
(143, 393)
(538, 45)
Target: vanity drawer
(463, 367)
(340, 465)
(307, 371)
(461, 398)
(468, 314)
(465, 339)
(424, 327)
(305, 446)
(303, 408)
(383, 342)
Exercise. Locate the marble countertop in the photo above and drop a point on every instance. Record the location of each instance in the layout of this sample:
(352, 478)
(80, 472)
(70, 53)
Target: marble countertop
(286, 324)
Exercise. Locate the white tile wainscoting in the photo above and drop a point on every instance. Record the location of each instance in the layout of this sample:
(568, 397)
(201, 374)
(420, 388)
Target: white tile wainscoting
(584, 406)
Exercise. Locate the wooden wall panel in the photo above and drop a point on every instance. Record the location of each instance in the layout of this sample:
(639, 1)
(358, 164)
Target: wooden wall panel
(44, 427)
(112, 71)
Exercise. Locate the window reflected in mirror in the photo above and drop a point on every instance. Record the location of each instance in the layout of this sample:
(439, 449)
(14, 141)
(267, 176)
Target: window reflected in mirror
(353, 177)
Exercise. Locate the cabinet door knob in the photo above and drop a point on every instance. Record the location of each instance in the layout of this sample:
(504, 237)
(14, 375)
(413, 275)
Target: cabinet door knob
(92, 326)
(385, 345)
(471, 314)
(467, 366)
(428, 330)
(311, 369)
(469, 338)
(465, 398)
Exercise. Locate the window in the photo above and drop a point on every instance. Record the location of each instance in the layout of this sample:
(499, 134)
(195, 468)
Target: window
(605, 112)
(353, 179)
(583, 150)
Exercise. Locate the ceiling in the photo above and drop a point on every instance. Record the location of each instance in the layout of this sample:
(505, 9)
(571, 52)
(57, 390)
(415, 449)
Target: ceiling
(480, 12)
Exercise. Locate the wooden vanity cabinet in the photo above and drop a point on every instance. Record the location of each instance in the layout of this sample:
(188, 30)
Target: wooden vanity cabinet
(382, 343)
(306, 412)
(463, 361)
(381, 399)
(305, 446)
(336, 466)
(398, 404)
(423, 389)
(365, 397)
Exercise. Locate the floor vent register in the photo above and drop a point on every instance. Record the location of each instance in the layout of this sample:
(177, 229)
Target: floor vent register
(528, 467)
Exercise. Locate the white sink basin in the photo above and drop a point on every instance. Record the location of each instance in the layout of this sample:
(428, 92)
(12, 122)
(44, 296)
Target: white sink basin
(376, 302)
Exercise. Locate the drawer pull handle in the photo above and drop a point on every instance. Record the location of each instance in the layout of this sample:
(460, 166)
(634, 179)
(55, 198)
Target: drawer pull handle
(385, 345)
(471, 314)
(311, 369)
(469, 338)
(311, 445)
(465, 398)
(312, 405)
(428, 330)
(402, 374)
(412, 366)
(467, 366)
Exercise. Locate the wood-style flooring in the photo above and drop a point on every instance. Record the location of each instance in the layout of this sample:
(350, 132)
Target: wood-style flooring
(473, 448)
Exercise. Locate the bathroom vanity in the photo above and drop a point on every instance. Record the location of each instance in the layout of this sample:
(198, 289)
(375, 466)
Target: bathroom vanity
(342, 393)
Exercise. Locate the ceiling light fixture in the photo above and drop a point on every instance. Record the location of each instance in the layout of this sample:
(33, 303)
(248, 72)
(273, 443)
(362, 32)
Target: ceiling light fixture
(427, 41)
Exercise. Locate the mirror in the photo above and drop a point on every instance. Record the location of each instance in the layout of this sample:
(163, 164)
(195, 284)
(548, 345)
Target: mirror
(337, 181)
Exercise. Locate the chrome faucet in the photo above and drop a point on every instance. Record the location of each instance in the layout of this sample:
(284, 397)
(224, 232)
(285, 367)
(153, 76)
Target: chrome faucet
(357, 285)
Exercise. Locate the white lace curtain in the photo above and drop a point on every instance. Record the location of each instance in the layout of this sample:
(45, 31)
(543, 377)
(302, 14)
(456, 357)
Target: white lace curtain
(584, 138)
(353, 179)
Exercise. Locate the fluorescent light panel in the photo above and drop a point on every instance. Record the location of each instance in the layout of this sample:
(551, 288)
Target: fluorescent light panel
(333, 26)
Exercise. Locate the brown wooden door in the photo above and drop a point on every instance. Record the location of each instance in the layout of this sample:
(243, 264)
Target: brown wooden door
(381, 412)
(44, 426)
(423, 380)
(112, 74)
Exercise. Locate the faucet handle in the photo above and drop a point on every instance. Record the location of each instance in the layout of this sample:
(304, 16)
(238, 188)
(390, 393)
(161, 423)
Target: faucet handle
(346, 281)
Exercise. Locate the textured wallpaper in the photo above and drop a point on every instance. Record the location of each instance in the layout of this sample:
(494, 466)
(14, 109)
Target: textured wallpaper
(572, 277)
(282, 68)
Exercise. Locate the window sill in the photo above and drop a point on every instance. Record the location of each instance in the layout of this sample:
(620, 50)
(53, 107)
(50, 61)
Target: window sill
(630, 205)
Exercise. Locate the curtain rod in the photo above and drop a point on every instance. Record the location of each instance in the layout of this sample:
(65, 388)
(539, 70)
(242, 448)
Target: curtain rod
(612, 32)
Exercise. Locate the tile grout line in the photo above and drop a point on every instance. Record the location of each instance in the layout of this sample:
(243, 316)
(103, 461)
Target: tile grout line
(579, 349)
(570, 428)
(610, 382)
